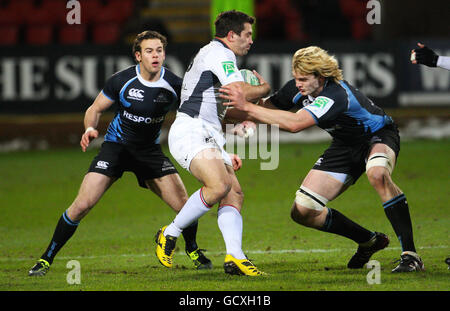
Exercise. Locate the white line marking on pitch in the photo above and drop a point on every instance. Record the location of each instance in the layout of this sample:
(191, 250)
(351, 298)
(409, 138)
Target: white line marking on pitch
(280, 251)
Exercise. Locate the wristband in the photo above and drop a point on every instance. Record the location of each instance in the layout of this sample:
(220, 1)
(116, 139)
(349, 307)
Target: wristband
(90, 128)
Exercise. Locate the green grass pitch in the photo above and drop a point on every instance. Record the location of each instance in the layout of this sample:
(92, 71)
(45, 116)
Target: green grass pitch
(115, 245)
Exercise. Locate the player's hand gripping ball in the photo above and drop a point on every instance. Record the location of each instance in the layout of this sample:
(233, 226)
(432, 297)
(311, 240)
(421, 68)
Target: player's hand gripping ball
(249, 77)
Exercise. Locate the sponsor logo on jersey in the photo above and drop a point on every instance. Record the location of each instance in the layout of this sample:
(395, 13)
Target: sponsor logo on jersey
(306, 102)
(229, 68)
(210, 140)
(102, 165)
(320, 106)
(136, 94)
(139, 119)
(162, 98)
(167, 166)
(321, 102)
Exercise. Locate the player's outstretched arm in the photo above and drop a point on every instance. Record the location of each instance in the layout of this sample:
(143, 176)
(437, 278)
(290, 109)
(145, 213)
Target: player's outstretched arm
(91, 118)
(288, 121)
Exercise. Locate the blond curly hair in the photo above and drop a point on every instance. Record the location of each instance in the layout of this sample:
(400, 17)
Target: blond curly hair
(314, 60)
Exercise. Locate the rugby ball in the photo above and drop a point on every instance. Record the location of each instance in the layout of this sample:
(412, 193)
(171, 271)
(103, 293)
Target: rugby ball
(249, 77)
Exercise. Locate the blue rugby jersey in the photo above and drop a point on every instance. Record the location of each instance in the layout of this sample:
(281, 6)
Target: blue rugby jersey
(141, 105)
(340, 109)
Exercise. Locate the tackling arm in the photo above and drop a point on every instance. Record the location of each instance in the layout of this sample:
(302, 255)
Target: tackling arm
(289, 121)
(234, 115)
(286, 120)
(266, 103)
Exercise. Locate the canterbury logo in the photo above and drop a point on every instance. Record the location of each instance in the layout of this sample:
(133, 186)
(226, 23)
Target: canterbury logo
(102, 164)
(136, 93)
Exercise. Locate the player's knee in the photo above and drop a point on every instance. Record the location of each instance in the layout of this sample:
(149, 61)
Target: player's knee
(307, 206)
(296, 215)
(303, 215)
(218, 191)
(224, 188)
(377, 176)
(81, 207)
(235, 197)
(379, 166)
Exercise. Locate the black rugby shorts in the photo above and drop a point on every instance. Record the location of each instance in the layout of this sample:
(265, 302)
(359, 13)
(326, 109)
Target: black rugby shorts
(145, 162)
(350, 158)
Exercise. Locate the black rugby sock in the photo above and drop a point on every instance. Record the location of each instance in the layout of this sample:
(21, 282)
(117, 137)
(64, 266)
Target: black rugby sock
(190, 235)
(339, 224)
(397, 211)
(63, 232)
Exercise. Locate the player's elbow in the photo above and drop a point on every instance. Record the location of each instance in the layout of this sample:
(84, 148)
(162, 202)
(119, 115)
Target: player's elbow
(287, 126)
(294, 127)
(300, 122)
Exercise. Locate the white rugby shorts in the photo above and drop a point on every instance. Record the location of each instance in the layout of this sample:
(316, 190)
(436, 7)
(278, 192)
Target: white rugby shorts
(188, 136)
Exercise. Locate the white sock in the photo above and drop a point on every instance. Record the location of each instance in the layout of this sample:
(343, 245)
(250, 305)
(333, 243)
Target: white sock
(193, 209)
(230, 224)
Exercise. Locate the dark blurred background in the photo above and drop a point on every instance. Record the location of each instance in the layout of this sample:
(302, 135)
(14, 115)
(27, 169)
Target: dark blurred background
(51, 71)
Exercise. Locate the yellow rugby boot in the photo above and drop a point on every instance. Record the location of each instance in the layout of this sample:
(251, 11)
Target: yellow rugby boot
(240, 267)
(40, 268)
(199, 259)
(165, 246)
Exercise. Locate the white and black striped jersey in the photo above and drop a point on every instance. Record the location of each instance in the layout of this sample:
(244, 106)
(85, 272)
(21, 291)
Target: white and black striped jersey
(213, 66)
(141, 105)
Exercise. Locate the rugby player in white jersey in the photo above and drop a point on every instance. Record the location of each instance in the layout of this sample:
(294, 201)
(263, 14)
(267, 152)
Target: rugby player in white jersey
(196, 141)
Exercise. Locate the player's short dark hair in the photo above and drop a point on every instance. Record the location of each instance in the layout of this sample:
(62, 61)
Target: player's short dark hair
(231, 20)
(148, 34)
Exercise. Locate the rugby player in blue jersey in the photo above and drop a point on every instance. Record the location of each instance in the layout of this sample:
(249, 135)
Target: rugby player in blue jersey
(144, 93)
(365, 139)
